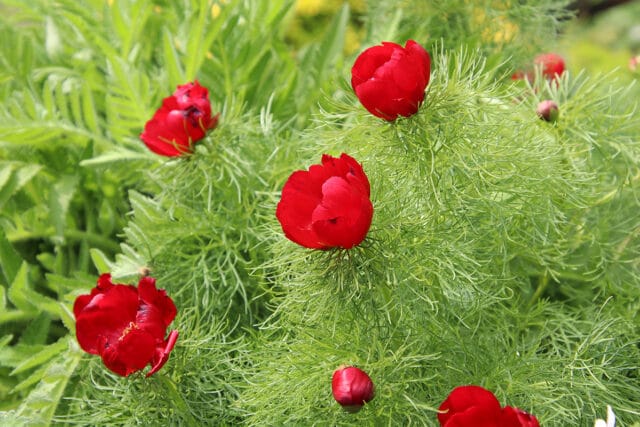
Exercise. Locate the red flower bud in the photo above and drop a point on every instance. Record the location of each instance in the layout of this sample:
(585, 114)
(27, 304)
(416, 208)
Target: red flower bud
(352, 388)
(126, 325)
(633, 63)
(183, 119)
(390, 80)
(474, 406)
(552, 65)
(327, 206)
(548, 110)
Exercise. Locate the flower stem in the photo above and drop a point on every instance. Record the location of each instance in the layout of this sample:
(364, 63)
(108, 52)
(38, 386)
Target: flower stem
(543, 282)
(178, 401)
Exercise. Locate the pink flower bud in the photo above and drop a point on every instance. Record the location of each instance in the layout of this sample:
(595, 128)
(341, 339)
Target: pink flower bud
(633, 63)
(352, 388)
(548, 110)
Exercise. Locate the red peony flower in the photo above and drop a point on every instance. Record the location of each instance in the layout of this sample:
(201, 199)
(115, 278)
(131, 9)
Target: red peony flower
(126, 325)
(352, 388)
(390, 80)
(552, 66)
(469, 405)
(474, 406)
(327, 206)
(183, 119)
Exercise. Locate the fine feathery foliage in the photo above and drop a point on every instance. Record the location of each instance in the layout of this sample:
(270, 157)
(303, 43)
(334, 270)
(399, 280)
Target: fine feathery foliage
(503, 250)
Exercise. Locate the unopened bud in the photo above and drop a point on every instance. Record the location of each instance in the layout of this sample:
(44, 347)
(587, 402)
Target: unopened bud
(352, 388)
(548, 110)
(634, 63)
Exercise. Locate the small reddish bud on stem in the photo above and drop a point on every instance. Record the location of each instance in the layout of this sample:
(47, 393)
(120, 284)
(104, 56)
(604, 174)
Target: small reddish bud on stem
(352, 388)
(548, 111)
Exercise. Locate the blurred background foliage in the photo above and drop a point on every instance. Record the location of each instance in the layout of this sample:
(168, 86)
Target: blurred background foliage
(78, 80)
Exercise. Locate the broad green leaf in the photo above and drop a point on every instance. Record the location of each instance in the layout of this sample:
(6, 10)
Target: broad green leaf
(67, 317)
(333, 43)
(10, 261)
(18, 179)
(28, 300)
(172, 60)
(100, 261)
(37, 330)
(17, 290)
(60, 197)
(43, 400)
(89, 109)
(5, 340)
(42, 356)
(116, 156)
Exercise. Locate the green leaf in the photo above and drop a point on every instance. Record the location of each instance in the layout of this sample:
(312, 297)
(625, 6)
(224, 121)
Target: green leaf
(28, 300)
(100, 261)
(10, 261)
(172, 61)
(333, 43)
(17, 290)
(37, 330)
(60, 197)
(40, 406)
(18, 179)
(116, 156)
(42, 356)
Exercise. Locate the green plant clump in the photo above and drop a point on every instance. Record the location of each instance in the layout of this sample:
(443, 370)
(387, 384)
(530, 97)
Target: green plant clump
(503, 250)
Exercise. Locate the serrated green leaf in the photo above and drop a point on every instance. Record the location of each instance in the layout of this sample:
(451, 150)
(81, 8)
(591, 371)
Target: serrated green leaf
(172, 61)
(17, 291)
(37, 330)
(89, 109)
(42, 356)
(60, 197)
(67, 318)
(20, 176)
(43, 400)
(30, 380)
(11, 356)
(28, 300)
(100, 261)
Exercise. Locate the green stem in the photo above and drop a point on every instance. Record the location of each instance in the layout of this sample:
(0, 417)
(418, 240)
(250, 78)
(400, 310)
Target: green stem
(96, 240)
(543, 282)
(178, 401)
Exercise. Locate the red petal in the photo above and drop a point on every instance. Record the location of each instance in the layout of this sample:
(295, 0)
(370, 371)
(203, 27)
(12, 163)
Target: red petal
(129, 354)
(344, 216)
(300, 196)
(514, 417)
(471, 400)
(369, 61)
(476, 416)
(105, 316)
(161, 354)
(158, 299)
